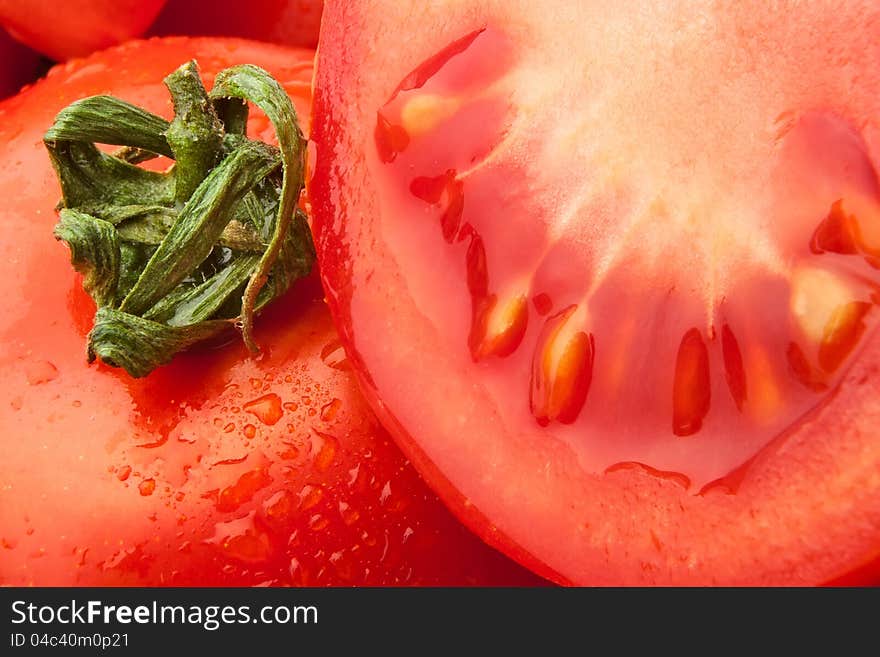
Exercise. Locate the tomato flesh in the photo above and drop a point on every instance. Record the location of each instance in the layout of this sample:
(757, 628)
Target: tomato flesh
(649, 261)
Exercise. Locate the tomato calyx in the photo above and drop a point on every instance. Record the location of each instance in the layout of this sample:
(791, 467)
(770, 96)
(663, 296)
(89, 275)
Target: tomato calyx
(177, 257)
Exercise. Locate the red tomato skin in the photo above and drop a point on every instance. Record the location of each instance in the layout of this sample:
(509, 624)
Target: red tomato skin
(218, 469)
(19, 66)
(596, 529)
(76, 27)
(287, 22)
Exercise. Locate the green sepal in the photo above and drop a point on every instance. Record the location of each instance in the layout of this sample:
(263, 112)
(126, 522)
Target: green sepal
(139, 345)
(251, 83)
(94, 252)
(176, 257)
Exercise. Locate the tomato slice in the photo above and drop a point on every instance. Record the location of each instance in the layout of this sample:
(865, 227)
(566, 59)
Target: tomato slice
(219, 468)
(611, 276)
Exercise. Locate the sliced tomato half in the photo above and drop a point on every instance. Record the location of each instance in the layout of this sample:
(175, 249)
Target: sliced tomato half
(611, 274)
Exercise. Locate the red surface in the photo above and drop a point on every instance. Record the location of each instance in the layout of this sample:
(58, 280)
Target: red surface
(607, 301)
(287, 22)
(218, 469)
(75, 28)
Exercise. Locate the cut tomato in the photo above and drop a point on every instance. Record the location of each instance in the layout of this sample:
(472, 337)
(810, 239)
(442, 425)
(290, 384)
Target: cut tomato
(611, 275)
(217, 469)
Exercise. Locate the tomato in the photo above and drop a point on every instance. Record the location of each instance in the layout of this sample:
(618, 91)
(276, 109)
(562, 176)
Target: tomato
(218, 469)
(76, 27)
(20, 65)
(610, 274)
(288, 22)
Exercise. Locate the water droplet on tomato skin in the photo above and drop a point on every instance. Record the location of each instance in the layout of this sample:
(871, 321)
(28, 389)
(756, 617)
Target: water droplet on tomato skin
(333, 355)
(330, 409)
(147, 487)
(39, 372)
(349, 515)
(267, 409)
(324, 447)
(123, 473)
(243, 490)
(249, 431)
(310, 496)
(691, 388)
(279, 507)
(562, 370)
(242, 539)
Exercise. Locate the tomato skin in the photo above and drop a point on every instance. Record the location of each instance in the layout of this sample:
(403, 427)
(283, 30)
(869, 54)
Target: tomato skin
(20, 65)
(77, 27)
(805, 511)
(287, 22)
(218, 469)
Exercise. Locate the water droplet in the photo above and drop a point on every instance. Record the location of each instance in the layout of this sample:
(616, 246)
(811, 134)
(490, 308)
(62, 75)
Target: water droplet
(41, 371)
(249, 431)
(279, 506)
(123, 473)
(229, 428)
(386, 493)
(298, 575)
(325, 450)
(334, 356)
(349, 515)
(310, 496)
(147, 486)
(242, 539)
(243, 490)
(267, 408)
(318, 522)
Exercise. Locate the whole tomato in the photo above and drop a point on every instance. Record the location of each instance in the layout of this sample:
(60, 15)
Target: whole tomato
(288, 22)
(218, 469)
(74, 28)
(18, 65)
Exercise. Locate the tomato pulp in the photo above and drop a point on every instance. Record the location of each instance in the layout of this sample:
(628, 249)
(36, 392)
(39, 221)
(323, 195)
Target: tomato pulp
(218, 469)
(611, 276)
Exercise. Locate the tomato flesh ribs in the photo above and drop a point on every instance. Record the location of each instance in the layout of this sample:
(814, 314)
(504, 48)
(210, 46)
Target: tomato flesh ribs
(580, 254)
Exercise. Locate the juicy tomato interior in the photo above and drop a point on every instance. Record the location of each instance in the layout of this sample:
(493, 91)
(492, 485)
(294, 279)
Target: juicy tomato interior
(218, 469)
(647, 240)
(631, 316)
